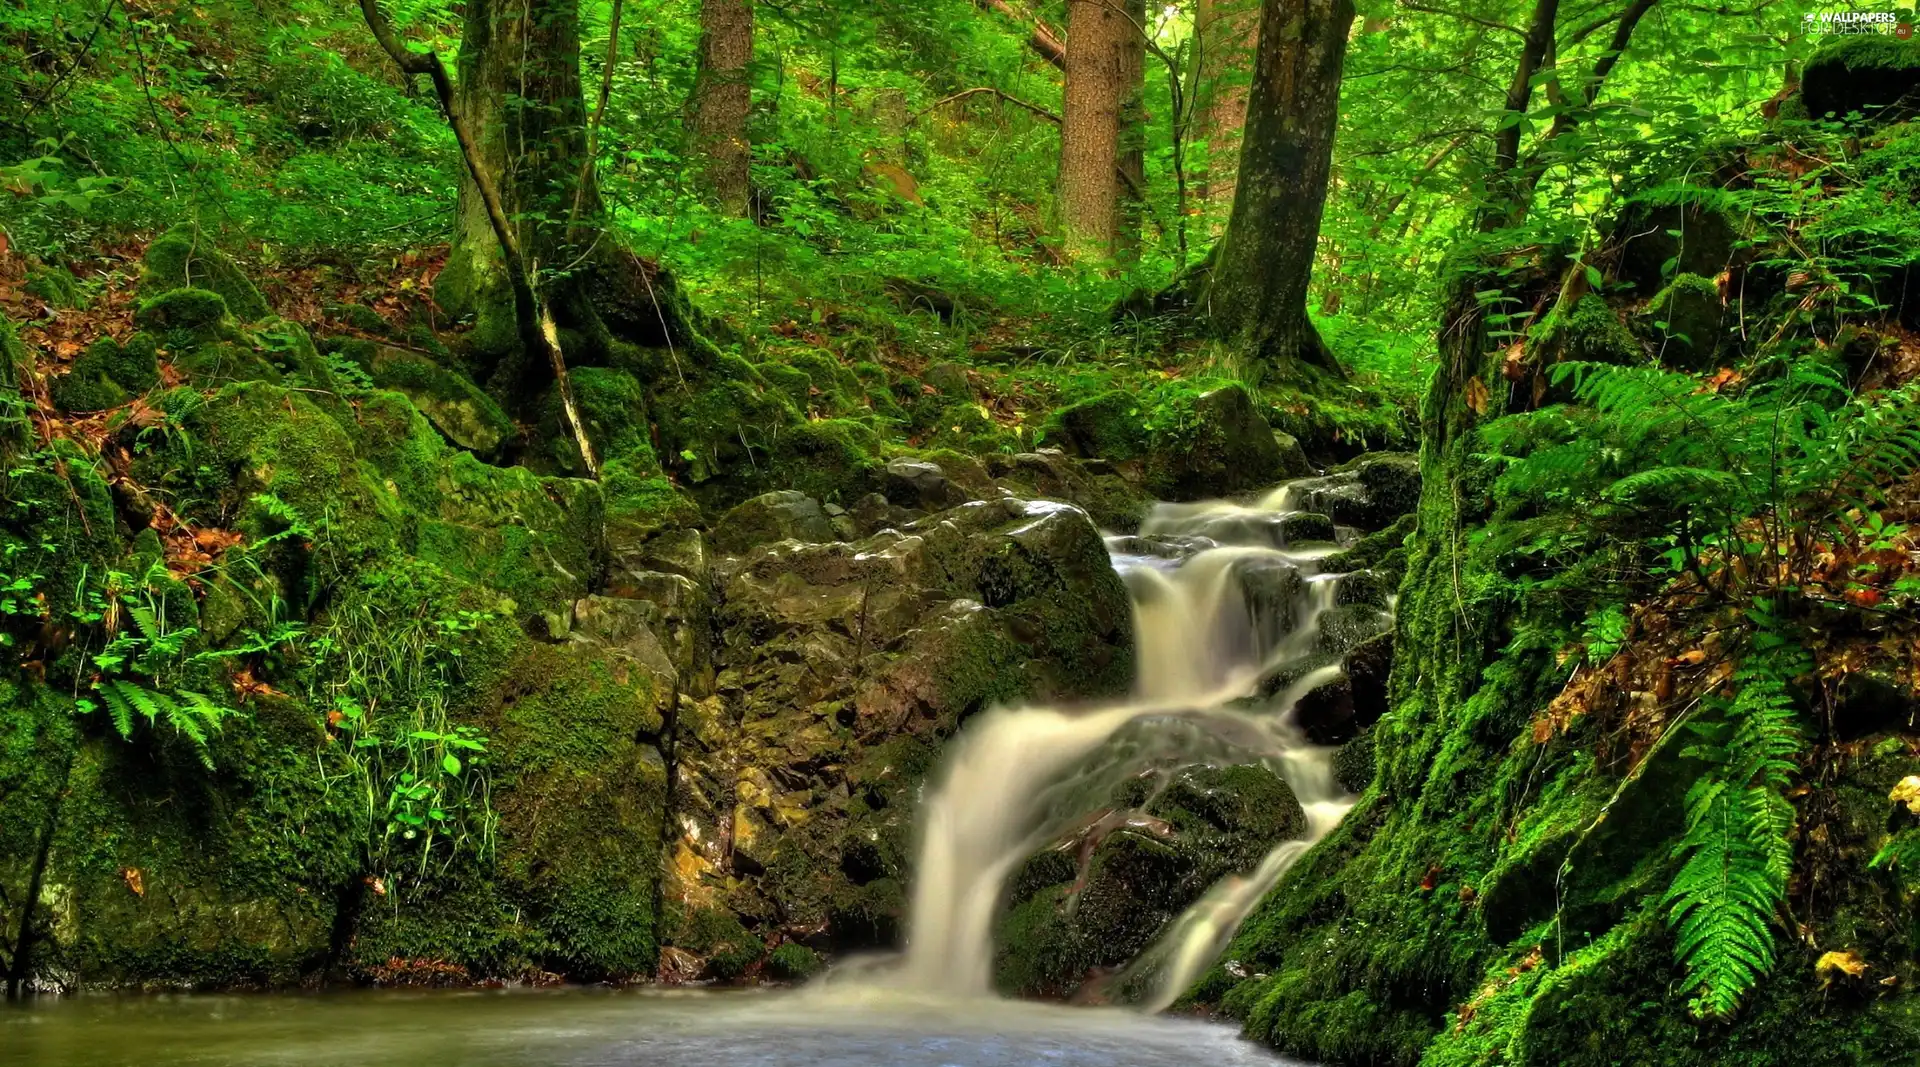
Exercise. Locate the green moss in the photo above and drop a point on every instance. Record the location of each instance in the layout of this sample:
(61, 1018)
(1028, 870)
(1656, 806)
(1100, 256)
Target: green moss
(831, 460)
(56, 286)
(1588, 333)
(185, 257)
(614, 409)
(1859, 73)
(195, 311)
(454, 405)
(1687, 322)
(641, 504)
(717, 937)
(1109, 426)
(793, 962)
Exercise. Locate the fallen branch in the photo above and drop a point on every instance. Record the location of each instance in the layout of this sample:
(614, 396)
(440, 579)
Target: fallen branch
(531, 317)
(1040, 37)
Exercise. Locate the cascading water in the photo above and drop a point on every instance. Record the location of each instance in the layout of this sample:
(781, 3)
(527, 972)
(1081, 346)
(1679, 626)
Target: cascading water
(1221, 600)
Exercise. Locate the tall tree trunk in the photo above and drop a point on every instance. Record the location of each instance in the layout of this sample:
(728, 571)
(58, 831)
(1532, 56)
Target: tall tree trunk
(722, 99)
(1226, 31)
(1130, 163)
(1257, 293)
(519, 97)
(1098, 36)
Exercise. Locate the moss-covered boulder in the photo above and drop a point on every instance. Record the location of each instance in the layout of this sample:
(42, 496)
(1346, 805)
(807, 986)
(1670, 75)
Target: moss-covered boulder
(1687, 323)
(1864, 73)
(186, 257)
(456, 407)
(108, 374)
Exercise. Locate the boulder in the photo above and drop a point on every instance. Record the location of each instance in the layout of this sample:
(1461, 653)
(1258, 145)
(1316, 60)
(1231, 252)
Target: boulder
(783, 515)
(185, 256)
(841, 667)
(1367, 666)
(915, 483)
(1863, 73)
(464, 415)
(1228, 449)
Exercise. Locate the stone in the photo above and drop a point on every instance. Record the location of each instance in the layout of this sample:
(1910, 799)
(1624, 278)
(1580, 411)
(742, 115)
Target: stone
(950, 379)
(782, 515)
(1229, 449)
(185, 256)
(1367, 666)
(1363, 587)
(1325, 713)
(1293, 457)
(1864, 72)
(1345, 626)
(463, 414)
(916, 483)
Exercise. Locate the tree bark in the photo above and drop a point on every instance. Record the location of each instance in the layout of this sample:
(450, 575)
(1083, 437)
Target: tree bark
(1256, 295)
(1226, 31)
(1097, 40)
(722, 100)
(1130, 160)
(520, 98)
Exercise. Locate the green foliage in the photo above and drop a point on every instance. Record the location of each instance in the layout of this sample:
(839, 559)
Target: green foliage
(1737, 852)
(138, 675)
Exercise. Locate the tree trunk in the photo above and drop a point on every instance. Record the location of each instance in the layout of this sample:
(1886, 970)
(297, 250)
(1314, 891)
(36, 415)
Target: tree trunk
(520, 97)
(722, 99)
(1131, 155)
(1226, 31)
(1256, 295)
(1098, 35)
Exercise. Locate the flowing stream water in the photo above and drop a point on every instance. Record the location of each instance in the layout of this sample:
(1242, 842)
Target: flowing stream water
(1220, 600)
(1208, 628)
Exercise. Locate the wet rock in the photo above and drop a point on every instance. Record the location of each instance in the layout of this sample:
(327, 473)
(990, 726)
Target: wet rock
(778, 516)
(676, 551)
(1353, 764)
(1304, 526)
(1095, 899)
(1363, 587)
(625, 630)
(1271, 589)
(1230, 449)
(841, 665)
(915, 483)
(1093, 485)
(950, 379)
(1343, 627)
(1326, 712)
(1367, 666)
(1293, 457)
(1369, 493)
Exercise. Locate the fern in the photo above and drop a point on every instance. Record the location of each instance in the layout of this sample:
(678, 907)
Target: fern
(1737, 850)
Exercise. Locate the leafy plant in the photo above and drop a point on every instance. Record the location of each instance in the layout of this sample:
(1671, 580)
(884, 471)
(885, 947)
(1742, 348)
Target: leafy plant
(137, 674)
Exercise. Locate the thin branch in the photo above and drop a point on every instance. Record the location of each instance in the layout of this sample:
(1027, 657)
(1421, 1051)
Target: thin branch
(1464, 17)
(964, 93)
(599, 115)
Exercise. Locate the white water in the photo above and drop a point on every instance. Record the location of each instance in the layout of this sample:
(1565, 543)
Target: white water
(1207, 627)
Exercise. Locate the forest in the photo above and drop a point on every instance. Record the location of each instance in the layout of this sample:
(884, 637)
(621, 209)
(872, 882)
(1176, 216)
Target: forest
(1363, 533)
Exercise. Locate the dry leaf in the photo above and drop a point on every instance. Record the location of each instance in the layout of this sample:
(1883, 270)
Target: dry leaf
(1834, 964)
(1908, 793)
(1477, 395)
(136, 880)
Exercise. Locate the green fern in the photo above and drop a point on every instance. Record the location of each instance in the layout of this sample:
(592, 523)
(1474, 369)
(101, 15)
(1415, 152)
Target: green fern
(1738, 848)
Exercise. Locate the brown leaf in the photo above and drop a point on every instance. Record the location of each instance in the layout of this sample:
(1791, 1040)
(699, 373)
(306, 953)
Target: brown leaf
(1834, 964)
(1514, 367)
(1908, 793)
(136, 880)
(1477, 395)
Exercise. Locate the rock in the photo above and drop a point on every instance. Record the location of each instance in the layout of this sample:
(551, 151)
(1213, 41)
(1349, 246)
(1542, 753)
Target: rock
(1353, 764)
(1293, 458)
(626, 631)
(186, 256)
(1304, 526)
(1229, 449)
(1092, 485)
(1363, 587)
(917, 483)
(1095, 899)
(1859, 72)
(778, 516)
(1392, 484)
(842, 666)
(1694, 336)
(1367, 666)
(1271, 589)
(873, 513)
(181, 309)
(676, 551)
(1345, 626)
(108, 374)
(456, 407)
(1326, 712)
(1873, 701)
(950, 379)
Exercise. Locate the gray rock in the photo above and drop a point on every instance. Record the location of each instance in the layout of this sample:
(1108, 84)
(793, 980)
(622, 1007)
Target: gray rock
(778, 516)
(1293, 458)
(950, 379)
(1343, 627)
(916, 483)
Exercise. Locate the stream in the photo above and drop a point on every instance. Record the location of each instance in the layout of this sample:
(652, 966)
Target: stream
(1222, 601)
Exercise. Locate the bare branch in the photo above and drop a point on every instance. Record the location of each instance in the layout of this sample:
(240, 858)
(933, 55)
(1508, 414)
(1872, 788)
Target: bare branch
(964, 93)
(1464, 17)
(1041, 37)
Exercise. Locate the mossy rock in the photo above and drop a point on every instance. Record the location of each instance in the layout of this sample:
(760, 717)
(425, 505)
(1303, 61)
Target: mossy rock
(1674, 230)
(194, 311)
(108, 374)
(1864, 72)
(55, 285)
(1687, 320)
(1589, 332)
(186, 257)
(456, 407)
(794, 962)
(1108, 426)
(727, 950)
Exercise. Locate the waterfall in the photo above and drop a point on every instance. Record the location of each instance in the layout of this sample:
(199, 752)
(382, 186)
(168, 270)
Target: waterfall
(1220, 600)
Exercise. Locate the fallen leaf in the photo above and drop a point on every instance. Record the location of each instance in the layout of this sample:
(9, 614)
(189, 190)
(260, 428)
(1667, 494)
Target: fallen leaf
(136, 880)
(1908, 793)
(1477, 395)
(1834, 964)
